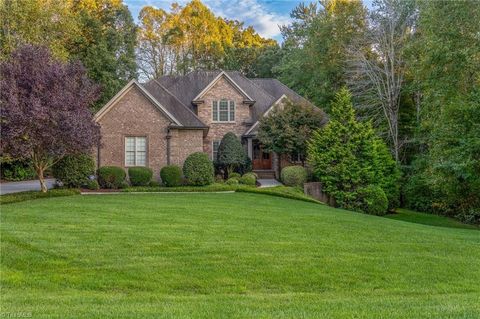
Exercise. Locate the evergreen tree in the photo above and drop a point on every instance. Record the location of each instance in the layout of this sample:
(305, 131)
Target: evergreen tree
(347, 156)
(231, 153)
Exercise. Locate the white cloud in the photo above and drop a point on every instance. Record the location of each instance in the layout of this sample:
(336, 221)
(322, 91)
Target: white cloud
(251, 12)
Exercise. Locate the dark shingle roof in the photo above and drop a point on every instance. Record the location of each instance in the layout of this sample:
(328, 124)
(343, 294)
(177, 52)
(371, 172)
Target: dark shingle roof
(180, 111)
(176, 93)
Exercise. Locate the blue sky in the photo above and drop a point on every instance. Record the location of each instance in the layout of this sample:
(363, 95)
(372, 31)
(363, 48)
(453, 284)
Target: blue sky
(264, 15)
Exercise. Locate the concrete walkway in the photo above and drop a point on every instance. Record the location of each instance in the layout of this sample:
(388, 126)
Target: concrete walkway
(15, 187)
(269, 183)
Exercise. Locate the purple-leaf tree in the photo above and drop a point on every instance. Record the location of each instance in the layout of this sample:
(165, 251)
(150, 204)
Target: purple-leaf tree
(44, 105)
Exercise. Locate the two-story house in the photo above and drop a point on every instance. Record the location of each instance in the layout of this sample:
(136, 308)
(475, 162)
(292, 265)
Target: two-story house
(164, 120)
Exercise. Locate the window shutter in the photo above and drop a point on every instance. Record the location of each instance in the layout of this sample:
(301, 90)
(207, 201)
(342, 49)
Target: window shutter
(215, 111)
(232, 111)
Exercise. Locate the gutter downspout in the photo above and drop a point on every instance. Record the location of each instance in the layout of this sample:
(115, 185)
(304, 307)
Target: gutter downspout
(168, 137)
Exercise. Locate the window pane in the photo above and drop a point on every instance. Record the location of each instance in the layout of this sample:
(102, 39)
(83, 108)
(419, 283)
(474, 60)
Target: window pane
(141, 144)
(232, 111)
(130, 144)
(215, 111)
(141, 159)
(130, 158)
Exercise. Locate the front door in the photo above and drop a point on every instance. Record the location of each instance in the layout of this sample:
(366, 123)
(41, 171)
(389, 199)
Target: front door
(261, 159)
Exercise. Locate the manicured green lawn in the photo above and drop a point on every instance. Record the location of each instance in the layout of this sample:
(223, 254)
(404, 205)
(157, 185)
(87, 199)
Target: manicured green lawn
(428, 219)
(234, 255)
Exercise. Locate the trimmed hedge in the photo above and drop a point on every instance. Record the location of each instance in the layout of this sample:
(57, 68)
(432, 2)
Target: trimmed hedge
(74, 170)
(232, 181)
(294, 176)
(30, 195)
(372, 200)
(140, 176)
(198, 169)
(171, 175)
(248, 179)
(92, 184)
(111, 177)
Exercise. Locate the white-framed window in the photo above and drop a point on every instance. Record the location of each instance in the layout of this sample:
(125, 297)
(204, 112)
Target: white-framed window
(223, 111)
(215, 145)
(135, 151)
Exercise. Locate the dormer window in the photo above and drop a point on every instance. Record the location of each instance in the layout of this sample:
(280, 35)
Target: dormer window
(223, 111)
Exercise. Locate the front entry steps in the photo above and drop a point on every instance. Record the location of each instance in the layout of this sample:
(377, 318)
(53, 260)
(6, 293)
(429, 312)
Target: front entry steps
(265, 174)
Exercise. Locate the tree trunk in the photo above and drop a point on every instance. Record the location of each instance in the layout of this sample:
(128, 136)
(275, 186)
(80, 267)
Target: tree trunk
(41, 178)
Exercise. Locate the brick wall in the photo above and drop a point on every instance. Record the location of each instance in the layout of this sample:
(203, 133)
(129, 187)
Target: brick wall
(184, 143)
(222, 90)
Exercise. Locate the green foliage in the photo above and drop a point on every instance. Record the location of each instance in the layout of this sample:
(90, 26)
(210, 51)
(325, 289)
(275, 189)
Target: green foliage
(30, 195)
(111, 176)
(346, 155)
(286, 130)
(16, 170)
(154, 184)
(74, 170)
(92, 184)
(171, 175)
(231, 153)
(315, 48)
(198, 169)
(372, 200)
(294, 176)
(234, 175)
(140, 176)
(248, 179)
(232, 181)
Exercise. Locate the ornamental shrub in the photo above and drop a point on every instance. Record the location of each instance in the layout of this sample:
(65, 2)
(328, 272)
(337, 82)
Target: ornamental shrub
(16, 170)
(234, 175)
(110, 176)
(231, 153)
(294, 175)
(232, 181)
(171, 175)
(346, 155)
(372, 200)
(140, 176)
(74, 170)
(198, 169)
(248, 179)
(92, 184)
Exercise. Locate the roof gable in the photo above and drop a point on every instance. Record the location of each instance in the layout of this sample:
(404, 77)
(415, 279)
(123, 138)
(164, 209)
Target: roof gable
(133, 83)
(221, 75)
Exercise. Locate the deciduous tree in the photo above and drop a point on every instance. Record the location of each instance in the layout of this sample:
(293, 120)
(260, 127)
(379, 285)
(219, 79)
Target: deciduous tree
(45, 108)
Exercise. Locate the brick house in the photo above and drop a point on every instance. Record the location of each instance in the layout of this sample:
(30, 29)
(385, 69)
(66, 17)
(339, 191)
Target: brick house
(163, 121)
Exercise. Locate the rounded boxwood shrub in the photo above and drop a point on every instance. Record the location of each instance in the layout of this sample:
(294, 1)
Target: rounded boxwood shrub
(234, 175)
(248, 179)
(372, 200)
(74, 170)
(294, 175)
(110, 176)
(92, 184)
(171, 175)
(198, 169)
(232, 181)
(154, 184)
(140, 176)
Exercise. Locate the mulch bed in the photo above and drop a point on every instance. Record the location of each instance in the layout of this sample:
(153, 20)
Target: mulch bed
(85, 190)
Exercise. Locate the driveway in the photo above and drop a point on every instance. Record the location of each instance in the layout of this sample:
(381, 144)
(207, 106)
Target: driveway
(15, 187)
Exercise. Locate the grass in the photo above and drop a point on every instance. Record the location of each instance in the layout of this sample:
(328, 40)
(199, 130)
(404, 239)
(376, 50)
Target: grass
(280, 191)
(24, 196)
(235, 255)
(428, 219)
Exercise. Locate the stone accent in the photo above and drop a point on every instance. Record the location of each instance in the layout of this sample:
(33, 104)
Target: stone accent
(314, 189)
(223, 90)
(133, 115)
(184, 143)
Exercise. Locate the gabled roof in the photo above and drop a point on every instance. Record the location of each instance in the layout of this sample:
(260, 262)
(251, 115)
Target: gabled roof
(126, 88)
(176, 95)
(184, 114)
